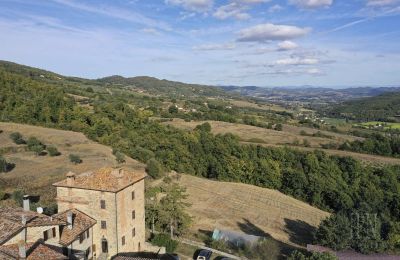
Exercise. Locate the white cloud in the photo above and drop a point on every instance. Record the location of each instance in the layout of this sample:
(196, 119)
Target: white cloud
(215, 47)
(234, 10)
(297, 61)
(275, 8)
(380, 3)
(314, 71)
(271, 32)
(192, 5)
(150, 31)
(287, 45)
(311, 4)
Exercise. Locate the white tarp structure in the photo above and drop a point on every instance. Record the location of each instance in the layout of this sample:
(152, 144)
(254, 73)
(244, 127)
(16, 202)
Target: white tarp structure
(235, 238)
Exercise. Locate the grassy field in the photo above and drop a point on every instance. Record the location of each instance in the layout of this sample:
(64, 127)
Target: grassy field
(249, 209)
(289, 134)
(244, 103)
(385, 125)
(35, 174)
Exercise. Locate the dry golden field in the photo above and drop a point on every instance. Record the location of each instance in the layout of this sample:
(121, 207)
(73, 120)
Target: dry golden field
(267, 137)
(249, 209)
(289, 134)
(35, 174)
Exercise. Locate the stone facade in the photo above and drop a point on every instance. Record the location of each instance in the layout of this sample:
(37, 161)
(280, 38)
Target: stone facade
(119, 214)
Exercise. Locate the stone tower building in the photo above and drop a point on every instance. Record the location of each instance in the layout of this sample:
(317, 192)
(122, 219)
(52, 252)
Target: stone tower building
(115, 199)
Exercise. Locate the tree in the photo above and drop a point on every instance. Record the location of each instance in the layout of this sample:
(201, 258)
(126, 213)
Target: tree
(173, 109)
(154, 169)
(75, 159)
(17, 138)
(170, 212)
(206, 127)
(53, 151)
(297, 255)
(335, 232)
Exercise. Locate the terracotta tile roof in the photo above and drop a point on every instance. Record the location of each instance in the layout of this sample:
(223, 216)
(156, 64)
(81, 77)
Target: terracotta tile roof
(80, 223)
(104, 179)
(11, 221)
(34, 251)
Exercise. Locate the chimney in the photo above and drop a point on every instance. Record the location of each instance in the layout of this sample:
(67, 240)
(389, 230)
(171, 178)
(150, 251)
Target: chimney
(25, 203)
(21, 250)
(70, 179)
(69, 220)
(119, 174)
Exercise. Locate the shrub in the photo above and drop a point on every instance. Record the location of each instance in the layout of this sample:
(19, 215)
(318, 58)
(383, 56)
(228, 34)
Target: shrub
(5, 166)
(35, 145)
(154, 168)
(37, 149)
(164, 240)
(279, 127)
(75, 159)
(206, 127)
(53, 151)
(17, 138)
(89, 89)
(18, 196)
(120, 157)
(3, 195)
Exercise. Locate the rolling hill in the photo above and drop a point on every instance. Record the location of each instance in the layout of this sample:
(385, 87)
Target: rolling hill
(380, 108)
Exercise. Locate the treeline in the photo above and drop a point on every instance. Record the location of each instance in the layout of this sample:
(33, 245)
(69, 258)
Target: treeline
(336, 184)
(375, 144)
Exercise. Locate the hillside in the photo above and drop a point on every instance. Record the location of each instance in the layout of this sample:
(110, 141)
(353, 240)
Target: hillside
(250, 209)
(158, 87)
(35, 174)
(380, 108)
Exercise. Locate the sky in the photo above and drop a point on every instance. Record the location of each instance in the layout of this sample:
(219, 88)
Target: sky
(335, 43)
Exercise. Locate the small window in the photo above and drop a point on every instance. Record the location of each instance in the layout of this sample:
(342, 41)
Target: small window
(103, 224)
(81, 238)
(133, 232)
(133, 195)
(87, 233)
(45, 235)
(123, 240)
(54, 232)
(133, 214)
(102, 204)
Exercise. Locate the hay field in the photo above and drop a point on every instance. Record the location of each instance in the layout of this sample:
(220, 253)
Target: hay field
(249, 209)
(35, 174)
(289, 134)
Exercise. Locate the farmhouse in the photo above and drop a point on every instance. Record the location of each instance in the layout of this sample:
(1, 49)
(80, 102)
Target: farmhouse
(101, 214)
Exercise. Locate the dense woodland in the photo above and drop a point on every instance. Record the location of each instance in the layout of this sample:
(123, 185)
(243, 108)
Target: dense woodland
(338, 184)
(385, 107)
(375, 143)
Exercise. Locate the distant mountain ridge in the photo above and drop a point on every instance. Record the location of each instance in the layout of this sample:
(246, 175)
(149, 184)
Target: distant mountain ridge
(150, 85)
(309, 94)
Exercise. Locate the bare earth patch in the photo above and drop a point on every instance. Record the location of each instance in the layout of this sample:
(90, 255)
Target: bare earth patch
(35, 174)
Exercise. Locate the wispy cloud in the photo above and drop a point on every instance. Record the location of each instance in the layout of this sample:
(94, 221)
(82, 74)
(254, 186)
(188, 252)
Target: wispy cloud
(122, 14)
